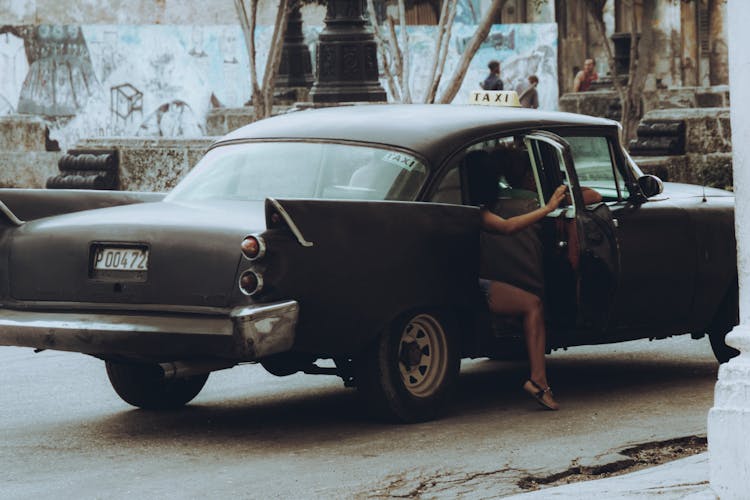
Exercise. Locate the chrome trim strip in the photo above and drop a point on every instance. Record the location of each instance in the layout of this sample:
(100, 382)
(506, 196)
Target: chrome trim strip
(288, 219)
(148, 337)
(94, 323)
(109, 307)
(8, 213)
(245, 334)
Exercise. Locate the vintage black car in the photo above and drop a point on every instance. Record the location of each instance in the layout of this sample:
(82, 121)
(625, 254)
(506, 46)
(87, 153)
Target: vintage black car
(351, 234)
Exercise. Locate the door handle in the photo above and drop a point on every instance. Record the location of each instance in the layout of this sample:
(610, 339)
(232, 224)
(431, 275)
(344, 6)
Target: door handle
(562, 244)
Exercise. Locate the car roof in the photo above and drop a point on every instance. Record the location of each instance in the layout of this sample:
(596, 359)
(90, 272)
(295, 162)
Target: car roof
(431, 130)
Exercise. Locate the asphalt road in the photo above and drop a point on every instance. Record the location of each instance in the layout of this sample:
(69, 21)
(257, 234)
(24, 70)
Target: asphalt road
(65, 434)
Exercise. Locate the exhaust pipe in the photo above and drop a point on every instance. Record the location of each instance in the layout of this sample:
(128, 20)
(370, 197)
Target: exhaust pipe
(182, 369)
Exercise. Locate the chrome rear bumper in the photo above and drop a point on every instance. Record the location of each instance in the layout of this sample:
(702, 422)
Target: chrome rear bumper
(247, 334)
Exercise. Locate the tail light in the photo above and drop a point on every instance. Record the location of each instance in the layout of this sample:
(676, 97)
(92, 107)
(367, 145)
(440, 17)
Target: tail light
(251, 283)
(253, 247)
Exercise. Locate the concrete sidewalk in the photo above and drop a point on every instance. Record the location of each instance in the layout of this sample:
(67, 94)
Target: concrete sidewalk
(679, 479)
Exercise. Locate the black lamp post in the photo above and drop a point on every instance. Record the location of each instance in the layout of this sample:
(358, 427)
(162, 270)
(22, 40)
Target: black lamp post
(347, 64)
(295, 68)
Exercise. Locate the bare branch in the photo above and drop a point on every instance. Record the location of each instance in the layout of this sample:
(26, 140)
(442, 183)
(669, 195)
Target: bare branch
(443, 53)
(629, 93)
(436, 54)
(404, 43)
(476, 41)
(274, 56)
(247, 22)
(383, 50)
(601, 29)
(396, 56)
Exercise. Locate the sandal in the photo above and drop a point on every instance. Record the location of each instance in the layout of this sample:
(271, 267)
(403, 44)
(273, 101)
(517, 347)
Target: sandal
(543, 396)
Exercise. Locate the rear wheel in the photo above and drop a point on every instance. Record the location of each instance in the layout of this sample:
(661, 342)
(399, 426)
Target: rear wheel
(411, 370)
(726, 318)
(144, 386)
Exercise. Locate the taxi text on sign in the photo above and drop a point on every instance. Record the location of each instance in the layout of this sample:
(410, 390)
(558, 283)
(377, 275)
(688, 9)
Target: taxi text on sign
(507, 98)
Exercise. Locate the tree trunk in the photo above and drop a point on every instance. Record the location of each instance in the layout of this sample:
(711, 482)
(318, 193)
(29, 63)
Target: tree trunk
(429, 94)
(262, 92)
(441, 50)
(396, 57)
(639, 71)
(383, 51)
(597, 18)
(404, 44)
(630, 93)
(480, 35)
(274, 58)
(247, 22)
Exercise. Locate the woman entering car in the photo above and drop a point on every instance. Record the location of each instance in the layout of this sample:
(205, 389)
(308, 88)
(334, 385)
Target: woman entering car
(504, 298)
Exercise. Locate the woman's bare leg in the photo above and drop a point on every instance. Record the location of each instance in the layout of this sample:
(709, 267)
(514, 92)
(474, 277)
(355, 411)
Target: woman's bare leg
(505, 299)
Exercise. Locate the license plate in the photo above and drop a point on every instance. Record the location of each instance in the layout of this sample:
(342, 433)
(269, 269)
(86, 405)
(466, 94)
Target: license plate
(121, 259)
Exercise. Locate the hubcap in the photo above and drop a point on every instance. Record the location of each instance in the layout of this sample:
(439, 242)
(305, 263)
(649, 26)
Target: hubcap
(423, 355)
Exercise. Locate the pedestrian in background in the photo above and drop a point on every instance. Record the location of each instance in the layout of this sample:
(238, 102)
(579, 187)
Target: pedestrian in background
(493, 81)
(529, 97)
(585, 77)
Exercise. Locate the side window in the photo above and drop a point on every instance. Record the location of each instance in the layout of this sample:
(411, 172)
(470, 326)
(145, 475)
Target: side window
(497, 173)
(595, 167)
(449, 187)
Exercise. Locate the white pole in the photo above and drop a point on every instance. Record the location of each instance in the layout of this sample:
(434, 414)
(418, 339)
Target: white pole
(729, 419)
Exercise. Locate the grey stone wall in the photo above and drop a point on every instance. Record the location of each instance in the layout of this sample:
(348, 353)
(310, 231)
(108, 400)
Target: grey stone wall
(708, 148)
(221, 121)
(707, 155)
(27, 169)
(25, 161)
(687, 97)
(707, 130)
(151, 164)
(606, 103)
(713, 169)
(601, 103)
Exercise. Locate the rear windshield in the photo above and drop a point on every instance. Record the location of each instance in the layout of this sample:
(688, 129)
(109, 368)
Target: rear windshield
(257, 170)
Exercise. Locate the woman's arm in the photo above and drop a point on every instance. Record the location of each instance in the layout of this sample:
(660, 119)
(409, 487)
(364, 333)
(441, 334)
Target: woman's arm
(492, 222)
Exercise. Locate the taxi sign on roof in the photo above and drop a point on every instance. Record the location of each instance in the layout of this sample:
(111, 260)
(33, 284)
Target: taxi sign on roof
(495, 98)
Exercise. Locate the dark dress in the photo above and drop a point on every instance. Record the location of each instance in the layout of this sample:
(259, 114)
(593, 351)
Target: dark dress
(516, 259)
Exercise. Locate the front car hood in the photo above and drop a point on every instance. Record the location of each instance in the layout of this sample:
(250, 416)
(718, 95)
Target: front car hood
(193, 253)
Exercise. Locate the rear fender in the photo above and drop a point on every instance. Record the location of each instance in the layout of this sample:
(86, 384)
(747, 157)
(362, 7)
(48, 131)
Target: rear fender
(31, 204)
(354, 266)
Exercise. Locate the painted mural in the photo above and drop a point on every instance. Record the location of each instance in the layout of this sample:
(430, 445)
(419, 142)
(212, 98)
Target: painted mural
(96, 80)
(522, 49)
(162, 80)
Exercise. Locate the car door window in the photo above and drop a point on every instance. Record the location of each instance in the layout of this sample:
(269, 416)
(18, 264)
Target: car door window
(507, 159)
(449, 187)
(547, 157)
(594, 165)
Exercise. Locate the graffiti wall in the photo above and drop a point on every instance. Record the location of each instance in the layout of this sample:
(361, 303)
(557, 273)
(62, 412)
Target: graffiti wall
(162, 80)
(522, 49)
(98, 80)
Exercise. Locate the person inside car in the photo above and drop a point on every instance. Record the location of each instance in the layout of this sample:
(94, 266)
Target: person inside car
(519, 176)
(504, 298)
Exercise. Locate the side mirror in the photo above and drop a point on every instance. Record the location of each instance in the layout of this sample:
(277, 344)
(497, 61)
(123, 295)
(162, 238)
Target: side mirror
(650, 185)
